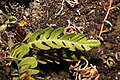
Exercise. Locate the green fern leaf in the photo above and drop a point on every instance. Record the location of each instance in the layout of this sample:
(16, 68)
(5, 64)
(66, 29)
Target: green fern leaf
(50, 38)
(24, 69)
(47, 32)
(28, 61)
(33, 71)
(36, 34)
(56, 33)
(21, 51)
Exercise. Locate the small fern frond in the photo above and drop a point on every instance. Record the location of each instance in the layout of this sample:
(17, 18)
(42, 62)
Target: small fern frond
(50, 38)
(26, 65)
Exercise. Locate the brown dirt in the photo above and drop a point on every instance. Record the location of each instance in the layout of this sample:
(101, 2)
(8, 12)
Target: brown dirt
(87, 16)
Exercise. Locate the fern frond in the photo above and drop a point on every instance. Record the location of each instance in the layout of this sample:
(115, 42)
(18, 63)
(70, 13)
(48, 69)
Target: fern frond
(46, 39)
(26, 65)
(50, 38)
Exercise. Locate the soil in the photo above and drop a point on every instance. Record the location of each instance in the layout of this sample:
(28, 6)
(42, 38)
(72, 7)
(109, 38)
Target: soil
(87, 16)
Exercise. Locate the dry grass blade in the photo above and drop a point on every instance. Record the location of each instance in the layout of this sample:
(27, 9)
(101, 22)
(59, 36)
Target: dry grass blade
(102, 26)
(56, 15)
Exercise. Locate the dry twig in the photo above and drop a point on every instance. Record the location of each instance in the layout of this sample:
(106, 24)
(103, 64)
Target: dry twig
(102, 26)
(60, 9)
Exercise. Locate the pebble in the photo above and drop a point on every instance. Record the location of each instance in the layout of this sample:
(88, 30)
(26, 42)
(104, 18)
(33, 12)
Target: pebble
(116, 78)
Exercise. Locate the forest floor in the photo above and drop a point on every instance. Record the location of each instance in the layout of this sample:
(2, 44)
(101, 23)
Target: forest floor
(97, 19)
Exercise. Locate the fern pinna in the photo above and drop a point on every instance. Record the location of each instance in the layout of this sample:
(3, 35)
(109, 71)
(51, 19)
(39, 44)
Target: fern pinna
(48, 38)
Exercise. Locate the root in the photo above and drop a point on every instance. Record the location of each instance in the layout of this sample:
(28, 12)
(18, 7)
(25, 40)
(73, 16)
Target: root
(84, 71)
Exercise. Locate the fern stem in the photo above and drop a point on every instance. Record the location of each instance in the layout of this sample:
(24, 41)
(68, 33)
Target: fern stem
(18, 69)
